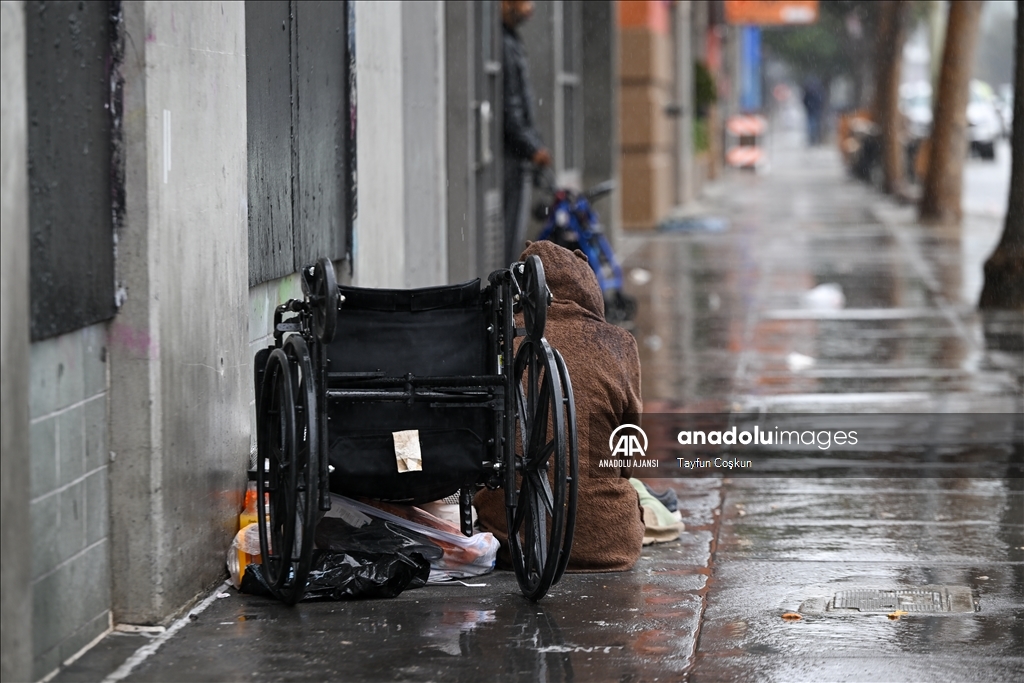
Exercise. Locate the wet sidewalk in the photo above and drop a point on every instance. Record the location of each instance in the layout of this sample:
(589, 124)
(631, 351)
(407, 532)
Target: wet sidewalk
(822, 297)
(811, 295)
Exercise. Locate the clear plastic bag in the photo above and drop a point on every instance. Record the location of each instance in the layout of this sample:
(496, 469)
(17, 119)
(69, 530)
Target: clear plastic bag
(463, 557)
(244, 550)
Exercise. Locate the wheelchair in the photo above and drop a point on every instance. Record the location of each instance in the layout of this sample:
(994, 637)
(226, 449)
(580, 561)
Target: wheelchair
(489, 404)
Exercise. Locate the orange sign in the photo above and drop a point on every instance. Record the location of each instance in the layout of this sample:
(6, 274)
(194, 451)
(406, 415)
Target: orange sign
(771, 11)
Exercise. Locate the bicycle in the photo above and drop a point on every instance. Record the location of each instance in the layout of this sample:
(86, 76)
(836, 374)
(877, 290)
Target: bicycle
(571, 222)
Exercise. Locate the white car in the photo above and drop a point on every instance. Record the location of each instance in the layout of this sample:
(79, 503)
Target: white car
(984, 125)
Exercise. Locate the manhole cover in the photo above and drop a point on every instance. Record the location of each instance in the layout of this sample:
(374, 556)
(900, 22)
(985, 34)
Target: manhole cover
(919, 599)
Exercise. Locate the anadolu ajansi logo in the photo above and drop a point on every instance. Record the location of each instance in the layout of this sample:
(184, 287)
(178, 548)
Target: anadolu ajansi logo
(628, 445)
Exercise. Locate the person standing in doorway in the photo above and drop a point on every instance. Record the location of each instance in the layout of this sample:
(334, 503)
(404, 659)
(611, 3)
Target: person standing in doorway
(522, 143)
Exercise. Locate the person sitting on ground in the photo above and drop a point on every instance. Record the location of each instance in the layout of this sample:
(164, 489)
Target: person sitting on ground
(604, 368)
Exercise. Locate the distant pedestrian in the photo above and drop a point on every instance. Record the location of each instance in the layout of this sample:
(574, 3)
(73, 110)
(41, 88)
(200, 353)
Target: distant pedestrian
(522, 143)
(814, 104)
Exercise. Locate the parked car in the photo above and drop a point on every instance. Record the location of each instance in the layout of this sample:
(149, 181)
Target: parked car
(984, 124)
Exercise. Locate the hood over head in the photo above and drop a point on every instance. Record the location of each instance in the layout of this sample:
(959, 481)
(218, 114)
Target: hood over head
(568, 275)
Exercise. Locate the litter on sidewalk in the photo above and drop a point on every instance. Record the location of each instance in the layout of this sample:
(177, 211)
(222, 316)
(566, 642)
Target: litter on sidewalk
(363, 552)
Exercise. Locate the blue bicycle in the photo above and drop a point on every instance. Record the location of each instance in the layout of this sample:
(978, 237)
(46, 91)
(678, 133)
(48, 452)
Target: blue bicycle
(571, 222)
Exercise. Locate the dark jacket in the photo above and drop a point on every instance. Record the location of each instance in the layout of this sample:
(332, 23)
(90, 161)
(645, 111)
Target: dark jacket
(605, 371)
(521, 138)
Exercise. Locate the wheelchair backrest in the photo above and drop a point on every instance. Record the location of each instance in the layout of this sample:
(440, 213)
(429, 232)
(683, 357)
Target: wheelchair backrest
(429, 332)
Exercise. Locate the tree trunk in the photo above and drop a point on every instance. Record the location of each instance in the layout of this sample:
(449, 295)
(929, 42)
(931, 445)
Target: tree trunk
(885, 16)
(891, 36)
(1004, 270)
(940, 202)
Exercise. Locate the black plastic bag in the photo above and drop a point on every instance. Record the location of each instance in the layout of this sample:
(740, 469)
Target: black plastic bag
(375, 537)
(376, 560)
(339, 575)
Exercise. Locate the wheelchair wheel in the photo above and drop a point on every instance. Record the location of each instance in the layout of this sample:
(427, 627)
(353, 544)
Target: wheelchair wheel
(286, 465)
(535, 297)
(324, 298)
(539, 472)
(574, 459)
(307, 461)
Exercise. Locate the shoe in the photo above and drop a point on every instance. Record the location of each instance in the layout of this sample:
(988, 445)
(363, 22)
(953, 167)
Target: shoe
(660, 525)
(668, 497)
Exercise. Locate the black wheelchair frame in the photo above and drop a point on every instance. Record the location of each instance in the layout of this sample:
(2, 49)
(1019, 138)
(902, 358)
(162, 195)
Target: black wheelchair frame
(339, 378)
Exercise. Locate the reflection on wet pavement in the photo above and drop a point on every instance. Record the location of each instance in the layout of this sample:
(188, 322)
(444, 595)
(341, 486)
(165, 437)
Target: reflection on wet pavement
(733, 316)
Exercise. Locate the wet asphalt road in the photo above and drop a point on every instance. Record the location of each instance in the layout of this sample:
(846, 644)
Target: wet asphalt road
(726, 324)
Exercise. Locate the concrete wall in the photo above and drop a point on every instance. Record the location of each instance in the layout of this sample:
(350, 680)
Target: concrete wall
(423, 127)
(379, 234)
(179, 361)
(600, 115)
(70, 503)
(131, 445)
(15, 531)
(400, 231)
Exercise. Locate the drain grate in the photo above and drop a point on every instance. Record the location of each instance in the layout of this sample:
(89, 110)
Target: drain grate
(886, 601)
(913, 600)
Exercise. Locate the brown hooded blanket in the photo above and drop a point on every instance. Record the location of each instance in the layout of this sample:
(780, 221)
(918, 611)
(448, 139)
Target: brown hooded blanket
(605, 371)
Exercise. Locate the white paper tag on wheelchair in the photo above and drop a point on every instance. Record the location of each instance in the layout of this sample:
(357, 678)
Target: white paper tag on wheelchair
(407, 451)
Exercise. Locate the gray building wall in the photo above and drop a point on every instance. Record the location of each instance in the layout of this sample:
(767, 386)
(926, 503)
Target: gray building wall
(124, 460)
(400, 230)
(379, 233)
(423, 129)
(464, 241)
(70, 505)
(538, 35)
(600, 96)
(179, 368)
(15, 531)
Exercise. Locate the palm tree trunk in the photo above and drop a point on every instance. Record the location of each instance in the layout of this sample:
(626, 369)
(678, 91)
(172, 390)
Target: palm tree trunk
(1004, 269)
(940, 202)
